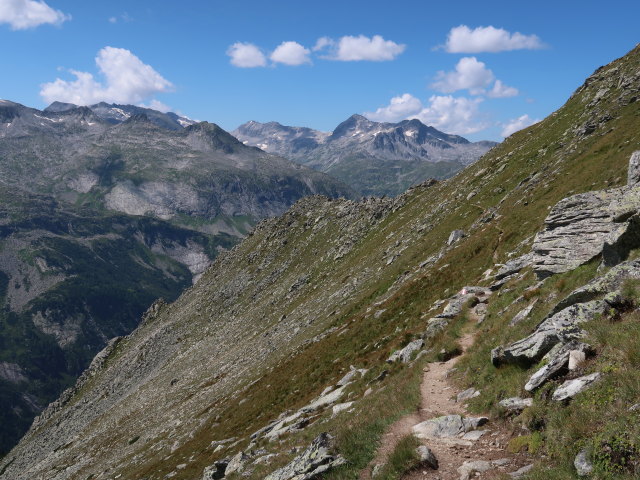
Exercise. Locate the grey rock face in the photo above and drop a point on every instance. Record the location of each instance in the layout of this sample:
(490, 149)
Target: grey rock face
(586, 225)
(571, 388)
(583, 463)
(449, 426)
(314, 461)
(558, 365)
(434, 325)
(514, 266)
(559, 328)
(633, 177)
(404, 355)
(521, 472)
(522, 314)
(427, 457)
(516, 404)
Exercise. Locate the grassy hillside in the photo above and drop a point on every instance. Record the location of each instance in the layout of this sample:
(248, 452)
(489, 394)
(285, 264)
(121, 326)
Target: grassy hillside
(332, 284)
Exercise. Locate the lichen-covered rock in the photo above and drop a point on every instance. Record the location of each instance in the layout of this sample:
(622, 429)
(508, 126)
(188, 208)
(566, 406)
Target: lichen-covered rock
(314, 461)
(434, 326)
(522, 314)
(558, 364)
(571, 388)
(604, 284)
(469, 468)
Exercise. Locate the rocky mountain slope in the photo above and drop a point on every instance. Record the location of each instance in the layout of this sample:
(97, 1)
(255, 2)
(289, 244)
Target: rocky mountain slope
(373, 158)
(196, 174)
(104, 209)
(296, 350)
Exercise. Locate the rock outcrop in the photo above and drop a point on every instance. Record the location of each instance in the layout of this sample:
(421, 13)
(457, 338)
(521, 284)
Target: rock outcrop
(311, 463)
(584, 226)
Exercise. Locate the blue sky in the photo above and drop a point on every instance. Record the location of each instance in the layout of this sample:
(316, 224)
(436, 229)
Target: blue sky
(229, 62)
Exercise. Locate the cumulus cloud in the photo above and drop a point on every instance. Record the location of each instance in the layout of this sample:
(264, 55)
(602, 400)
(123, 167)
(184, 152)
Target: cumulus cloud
(126, 80)
(360, 48)
(516, 124)
(399, 108)
(23, 14)
(290, 53)
(489, 39)
(500, 90)
(246, 55)
(470, 74)
(459, 115)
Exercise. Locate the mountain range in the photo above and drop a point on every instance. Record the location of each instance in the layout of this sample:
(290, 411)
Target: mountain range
(304, 349)
(373, 158)
(103, 210)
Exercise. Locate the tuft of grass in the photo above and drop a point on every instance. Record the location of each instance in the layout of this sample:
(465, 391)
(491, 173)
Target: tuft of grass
(403, 459)
(526, 443)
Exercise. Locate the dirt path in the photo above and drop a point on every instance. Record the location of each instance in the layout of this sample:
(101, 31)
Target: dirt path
(438, 399)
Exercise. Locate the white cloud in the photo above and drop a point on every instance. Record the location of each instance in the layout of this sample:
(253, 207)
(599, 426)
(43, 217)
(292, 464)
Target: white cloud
(489, 39)
(125, 17)
(500, 90)
(470, 74)
(516, 124)
(353, 49)
(291, 53)
(23, 14)
(322, 43)
(246, 55)
(398, 109)
(459, 115)
(157, 105)
(126, 80)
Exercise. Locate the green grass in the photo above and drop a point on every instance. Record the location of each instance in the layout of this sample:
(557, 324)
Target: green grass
(403, 459)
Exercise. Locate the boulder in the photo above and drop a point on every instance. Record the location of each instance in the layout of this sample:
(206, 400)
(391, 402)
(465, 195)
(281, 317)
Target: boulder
(584, 226)
(404, 355)
(558, 364)
(469, 468)
(311, 463)
(427, 457)
(571, 388)
(449, 426)
(516, 404)
(237, 463)
(434, 326)
(605, 284)
(583, 464)
(562, 327)
(215, 471)
(467, 296)
(455, 236)
(467, 394)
